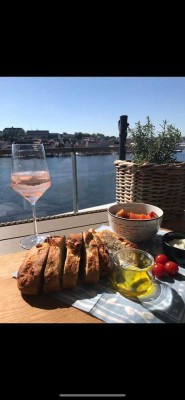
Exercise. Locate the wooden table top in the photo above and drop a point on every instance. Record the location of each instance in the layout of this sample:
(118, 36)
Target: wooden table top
(44, 308)
(14, 308)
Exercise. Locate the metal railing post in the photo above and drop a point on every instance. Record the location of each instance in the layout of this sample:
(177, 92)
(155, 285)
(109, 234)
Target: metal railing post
(75, 184)
(122, 126)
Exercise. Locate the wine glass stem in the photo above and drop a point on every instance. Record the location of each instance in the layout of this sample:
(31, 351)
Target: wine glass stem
(34, 220)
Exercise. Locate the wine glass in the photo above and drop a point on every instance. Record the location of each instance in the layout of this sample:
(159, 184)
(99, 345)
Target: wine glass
(30, 178)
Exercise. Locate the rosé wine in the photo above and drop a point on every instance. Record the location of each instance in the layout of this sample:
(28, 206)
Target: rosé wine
(31, 184)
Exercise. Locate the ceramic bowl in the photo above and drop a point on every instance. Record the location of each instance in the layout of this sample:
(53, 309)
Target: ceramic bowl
(133, 229)
(174, 253)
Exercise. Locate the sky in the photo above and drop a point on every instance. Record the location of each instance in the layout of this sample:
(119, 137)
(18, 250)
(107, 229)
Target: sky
(90, 104)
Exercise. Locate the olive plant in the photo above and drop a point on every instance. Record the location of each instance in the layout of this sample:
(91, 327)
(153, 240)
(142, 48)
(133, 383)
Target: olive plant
(151, 146)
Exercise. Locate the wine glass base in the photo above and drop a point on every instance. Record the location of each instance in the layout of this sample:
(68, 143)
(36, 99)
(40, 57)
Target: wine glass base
(33, 240)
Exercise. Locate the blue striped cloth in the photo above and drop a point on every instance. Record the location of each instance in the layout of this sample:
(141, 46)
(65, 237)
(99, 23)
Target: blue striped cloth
(111, 307)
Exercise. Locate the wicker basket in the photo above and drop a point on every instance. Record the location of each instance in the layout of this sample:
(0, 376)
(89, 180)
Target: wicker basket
(162, 185)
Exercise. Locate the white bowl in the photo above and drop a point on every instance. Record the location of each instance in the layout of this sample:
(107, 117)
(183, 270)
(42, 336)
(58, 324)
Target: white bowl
(133, 229)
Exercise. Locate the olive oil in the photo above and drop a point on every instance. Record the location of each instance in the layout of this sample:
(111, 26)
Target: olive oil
(132, 282)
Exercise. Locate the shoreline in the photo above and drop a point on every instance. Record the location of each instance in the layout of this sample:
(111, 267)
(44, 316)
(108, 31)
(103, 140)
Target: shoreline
(80, 151)
(67, 155)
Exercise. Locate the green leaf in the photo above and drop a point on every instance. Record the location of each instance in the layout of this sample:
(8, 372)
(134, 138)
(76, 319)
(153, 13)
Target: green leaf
(151, 146)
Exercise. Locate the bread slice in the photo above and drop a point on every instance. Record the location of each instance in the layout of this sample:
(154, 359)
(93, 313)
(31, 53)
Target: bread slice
(91, 266)
(31, 272)
(104, 257)
(55, 264)
(72, 262)
(114, 242)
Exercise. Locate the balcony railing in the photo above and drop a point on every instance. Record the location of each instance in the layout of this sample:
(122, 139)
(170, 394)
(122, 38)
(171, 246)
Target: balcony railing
(73, 152)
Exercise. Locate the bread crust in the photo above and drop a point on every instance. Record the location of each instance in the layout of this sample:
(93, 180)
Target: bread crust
(55, 264)
(72, 262)
(104, 257)
(91, 265)
(31, 271)
(113, 241)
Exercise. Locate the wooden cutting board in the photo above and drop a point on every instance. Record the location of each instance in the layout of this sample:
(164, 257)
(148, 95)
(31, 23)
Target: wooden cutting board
(44, 308)
(10, 263)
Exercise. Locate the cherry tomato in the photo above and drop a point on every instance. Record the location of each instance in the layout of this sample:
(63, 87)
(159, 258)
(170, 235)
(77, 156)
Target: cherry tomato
(171, 268)
(158, 270)
(161, 259)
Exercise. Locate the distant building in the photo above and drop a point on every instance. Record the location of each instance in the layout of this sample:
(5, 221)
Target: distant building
(38, 134)
(68, 135)
(91, 143)
(54, 135)
(12, 130)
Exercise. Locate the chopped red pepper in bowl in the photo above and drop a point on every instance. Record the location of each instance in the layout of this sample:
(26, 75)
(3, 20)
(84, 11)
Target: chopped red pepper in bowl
(130, 215)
